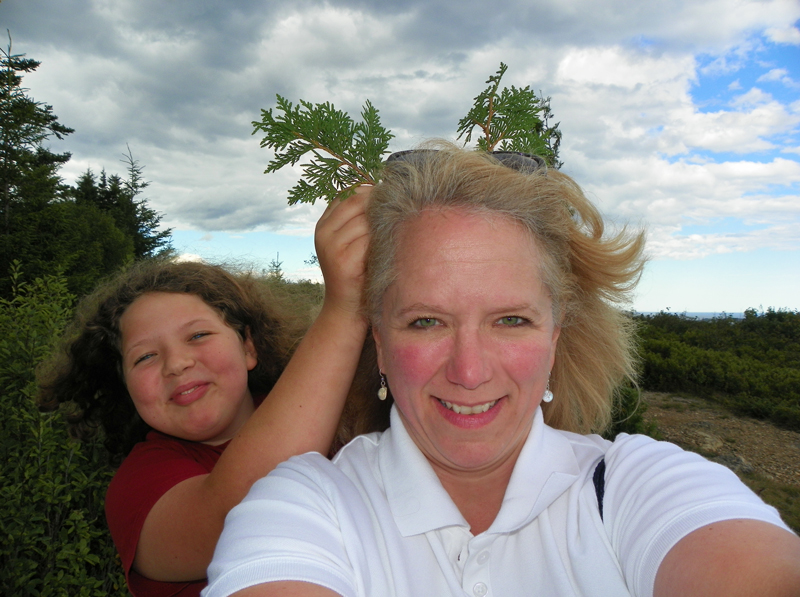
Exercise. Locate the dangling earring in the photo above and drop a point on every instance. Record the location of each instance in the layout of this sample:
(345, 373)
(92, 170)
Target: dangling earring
(382, 391)
(548, 395)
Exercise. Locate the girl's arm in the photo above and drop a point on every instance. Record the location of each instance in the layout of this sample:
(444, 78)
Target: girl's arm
(299, 415)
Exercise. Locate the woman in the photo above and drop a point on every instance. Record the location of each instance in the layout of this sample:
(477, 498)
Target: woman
(490, 289)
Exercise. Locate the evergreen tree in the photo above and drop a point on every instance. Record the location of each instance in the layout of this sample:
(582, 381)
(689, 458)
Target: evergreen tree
(119, 199)
(83, 233)
(28, 170)
(148, 240)
(80, 241)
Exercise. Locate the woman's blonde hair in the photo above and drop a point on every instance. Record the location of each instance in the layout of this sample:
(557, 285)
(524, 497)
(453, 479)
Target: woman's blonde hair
(589, 275)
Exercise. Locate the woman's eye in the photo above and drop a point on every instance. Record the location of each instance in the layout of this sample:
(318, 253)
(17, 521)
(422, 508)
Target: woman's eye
(424, 322)
(511, 321)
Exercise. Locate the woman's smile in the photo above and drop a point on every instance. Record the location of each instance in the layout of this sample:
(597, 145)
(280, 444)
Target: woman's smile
(468, 410)
(466, 337)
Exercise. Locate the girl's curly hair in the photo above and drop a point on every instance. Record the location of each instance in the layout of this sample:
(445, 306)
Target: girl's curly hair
(86, 373)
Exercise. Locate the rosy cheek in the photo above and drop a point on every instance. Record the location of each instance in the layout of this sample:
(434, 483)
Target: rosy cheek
(527, 361)
(413, 365)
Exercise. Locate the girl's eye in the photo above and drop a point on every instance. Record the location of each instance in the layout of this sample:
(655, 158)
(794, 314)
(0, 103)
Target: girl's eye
(511, 321)
(424, 322)
(142, 358)
(199, 335)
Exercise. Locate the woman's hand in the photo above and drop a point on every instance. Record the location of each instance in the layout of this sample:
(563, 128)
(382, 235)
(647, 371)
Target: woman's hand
(341, 240)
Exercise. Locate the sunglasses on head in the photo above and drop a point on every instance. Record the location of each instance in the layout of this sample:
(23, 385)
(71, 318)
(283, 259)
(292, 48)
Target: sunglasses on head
(516, 160)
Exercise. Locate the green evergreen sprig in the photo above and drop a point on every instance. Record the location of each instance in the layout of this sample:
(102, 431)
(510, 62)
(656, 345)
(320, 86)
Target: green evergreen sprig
(344, 153)
(514, 119)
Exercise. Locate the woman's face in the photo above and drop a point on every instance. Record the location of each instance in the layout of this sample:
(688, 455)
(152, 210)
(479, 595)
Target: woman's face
(467, 337)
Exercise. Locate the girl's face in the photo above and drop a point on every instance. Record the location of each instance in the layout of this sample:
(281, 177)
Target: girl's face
(467, 338)
(185, 368)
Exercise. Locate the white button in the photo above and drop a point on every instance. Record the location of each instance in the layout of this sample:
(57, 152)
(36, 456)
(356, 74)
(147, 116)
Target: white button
(480, 589)
(483, 558)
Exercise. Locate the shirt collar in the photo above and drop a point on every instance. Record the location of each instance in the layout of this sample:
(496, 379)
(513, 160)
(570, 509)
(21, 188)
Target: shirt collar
(546, 467)
(416, 498)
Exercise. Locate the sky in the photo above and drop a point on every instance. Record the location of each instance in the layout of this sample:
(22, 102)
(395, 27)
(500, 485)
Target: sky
(679, 117)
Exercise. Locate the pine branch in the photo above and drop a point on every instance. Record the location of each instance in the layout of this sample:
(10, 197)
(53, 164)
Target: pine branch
(343, 154)
(482, 112)
(515, 119)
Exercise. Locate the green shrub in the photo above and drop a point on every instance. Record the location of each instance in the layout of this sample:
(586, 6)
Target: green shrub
(750, 365)
(628, 415)
(53, 535)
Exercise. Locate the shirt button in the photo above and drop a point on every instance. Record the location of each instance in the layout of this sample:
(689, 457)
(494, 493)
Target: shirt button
(483, 558)
(480, 589)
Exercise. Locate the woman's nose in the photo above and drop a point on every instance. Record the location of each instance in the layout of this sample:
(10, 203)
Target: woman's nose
(470, 364)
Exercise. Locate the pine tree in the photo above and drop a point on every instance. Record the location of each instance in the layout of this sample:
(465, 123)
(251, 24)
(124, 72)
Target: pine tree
(83, 233)
(148, 240)
(120, 198)
(28, 170)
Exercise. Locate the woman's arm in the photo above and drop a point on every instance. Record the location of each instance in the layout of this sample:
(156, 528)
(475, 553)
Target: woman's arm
(732, 558)
(299, 415)
(286, 589)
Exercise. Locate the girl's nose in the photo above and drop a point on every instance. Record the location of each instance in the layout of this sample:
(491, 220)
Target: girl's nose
(469, 364)
(176, 362)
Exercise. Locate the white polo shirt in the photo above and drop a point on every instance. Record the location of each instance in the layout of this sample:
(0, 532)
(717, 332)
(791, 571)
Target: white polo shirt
(376, 521)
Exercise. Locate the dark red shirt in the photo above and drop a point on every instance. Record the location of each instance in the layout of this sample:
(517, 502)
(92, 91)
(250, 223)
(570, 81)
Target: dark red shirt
(153, 467)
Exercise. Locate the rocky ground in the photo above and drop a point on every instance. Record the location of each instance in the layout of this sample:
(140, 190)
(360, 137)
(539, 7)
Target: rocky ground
(743, 444)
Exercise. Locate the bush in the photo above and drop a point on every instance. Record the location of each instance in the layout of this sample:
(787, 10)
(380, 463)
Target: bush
(628, 415)
(751, 365)
(53, 535)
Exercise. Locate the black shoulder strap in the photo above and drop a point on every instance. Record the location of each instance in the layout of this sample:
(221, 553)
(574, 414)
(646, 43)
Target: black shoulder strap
(599, 479)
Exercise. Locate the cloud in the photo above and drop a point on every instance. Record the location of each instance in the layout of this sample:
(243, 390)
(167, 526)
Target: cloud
(779, 75)
(180, 82)
(189, 257)
(698, 246)
(784, 35)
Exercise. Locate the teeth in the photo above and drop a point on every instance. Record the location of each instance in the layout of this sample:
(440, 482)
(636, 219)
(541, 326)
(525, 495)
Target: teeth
(189, 391)
(469, 410)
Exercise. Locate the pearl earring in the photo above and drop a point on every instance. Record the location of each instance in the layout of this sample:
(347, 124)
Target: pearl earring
(548, 395)
(383, 390)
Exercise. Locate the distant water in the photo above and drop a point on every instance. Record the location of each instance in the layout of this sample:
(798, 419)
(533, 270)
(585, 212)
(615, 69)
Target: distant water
(701, 314)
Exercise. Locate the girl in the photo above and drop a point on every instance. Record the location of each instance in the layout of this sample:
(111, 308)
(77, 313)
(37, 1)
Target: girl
(174, 354)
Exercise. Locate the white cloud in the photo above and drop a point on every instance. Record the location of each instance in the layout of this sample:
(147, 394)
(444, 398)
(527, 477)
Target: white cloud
(784, 35)
(181, 82)
(698, 246)
(779, 75)
(189, 257)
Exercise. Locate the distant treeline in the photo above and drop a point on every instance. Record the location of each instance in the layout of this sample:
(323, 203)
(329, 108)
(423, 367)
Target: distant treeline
(750, 364)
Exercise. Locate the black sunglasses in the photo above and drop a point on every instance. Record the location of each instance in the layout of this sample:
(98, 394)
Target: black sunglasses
(523, 162)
